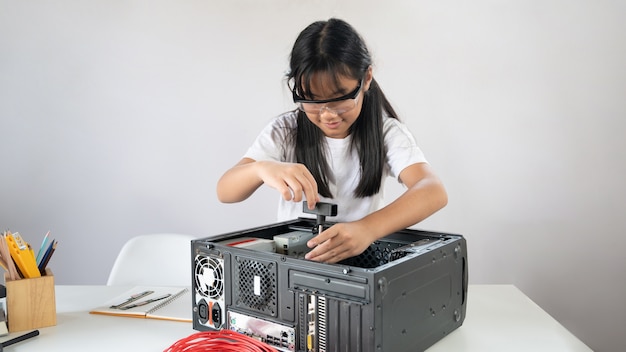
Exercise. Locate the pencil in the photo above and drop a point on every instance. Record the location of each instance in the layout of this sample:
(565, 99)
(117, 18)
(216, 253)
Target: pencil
(4, 250)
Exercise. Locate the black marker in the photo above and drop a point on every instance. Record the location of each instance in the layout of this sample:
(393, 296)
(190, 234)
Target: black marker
(18, 339)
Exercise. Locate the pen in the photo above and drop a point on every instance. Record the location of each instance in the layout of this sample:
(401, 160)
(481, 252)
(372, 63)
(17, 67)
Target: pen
(132, 299)
(18, 339)
(143, 303)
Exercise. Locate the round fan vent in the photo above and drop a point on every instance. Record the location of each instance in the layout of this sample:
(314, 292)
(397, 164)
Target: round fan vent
(209, 276)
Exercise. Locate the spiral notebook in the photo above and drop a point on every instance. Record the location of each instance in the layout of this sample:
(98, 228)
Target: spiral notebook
(165, 303)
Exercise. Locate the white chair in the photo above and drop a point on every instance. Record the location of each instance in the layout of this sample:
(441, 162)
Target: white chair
(162, 259)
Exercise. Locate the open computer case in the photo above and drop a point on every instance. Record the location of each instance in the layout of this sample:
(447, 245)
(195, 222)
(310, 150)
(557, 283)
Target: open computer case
(404, 293)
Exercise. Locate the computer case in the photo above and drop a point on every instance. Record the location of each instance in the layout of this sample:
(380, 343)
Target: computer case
(404, 293)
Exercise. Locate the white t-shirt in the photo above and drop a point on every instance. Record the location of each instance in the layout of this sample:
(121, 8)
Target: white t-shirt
(402, 151)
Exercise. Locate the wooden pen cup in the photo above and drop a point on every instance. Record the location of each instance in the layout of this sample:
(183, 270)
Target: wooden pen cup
(31, 303)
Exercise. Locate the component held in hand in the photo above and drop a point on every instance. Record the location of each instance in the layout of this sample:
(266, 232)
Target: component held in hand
(293, 243)
(322, 210)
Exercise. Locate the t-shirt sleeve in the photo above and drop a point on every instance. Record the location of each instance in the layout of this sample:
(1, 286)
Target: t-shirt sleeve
(264, 147)
(271, 143)
(402, 149)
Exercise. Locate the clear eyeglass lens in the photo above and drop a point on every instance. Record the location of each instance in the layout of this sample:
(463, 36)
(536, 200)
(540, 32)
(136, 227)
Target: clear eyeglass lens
(337, 107)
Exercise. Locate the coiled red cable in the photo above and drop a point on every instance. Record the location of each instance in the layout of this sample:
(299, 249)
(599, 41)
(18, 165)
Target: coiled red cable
(222, 341)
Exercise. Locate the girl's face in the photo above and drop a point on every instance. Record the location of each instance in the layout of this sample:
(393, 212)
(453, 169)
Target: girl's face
(335, 118)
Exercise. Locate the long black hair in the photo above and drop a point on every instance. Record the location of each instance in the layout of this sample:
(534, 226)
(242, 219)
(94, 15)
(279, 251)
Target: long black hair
(335, 48)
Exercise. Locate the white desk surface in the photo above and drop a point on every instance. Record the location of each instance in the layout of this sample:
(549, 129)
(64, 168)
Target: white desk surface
(499, 318)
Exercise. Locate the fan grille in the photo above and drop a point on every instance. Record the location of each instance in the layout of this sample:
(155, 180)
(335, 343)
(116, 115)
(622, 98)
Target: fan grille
(209, 276)
(255, 285)
(377, 254)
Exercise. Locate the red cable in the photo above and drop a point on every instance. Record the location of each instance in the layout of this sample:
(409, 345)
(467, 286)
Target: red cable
(222, 341)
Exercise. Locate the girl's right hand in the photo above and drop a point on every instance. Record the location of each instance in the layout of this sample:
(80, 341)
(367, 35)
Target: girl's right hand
(292, 180)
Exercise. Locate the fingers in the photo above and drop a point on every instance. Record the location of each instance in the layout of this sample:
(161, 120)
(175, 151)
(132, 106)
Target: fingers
(328, 247)
(302, 184)
(331, 256)
(310, 193)
(309, 188)
(339, 242)
(293, 181)
(322, 237)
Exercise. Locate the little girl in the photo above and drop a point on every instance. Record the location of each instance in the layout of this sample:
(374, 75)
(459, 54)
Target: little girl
(339, 144)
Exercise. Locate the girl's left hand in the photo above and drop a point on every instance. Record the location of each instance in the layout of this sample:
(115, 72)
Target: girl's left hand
(340, 241)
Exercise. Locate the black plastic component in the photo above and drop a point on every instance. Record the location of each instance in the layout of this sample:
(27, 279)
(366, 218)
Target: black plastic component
(203, 311)
(216, 315)
(322, 210)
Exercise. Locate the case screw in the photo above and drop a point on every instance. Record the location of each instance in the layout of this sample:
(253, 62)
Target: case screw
(382, 285)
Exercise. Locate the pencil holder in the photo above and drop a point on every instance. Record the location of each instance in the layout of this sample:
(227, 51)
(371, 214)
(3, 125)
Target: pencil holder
(31, 303)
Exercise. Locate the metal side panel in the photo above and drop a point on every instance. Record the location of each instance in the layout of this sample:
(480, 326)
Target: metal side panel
(423, 304)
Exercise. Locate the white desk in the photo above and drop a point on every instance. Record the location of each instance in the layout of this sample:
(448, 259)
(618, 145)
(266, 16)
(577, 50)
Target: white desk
(499, 318)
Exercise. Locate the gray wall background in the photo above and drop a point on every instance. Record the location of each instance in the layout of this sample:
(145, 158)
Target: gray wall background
(118, 117)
